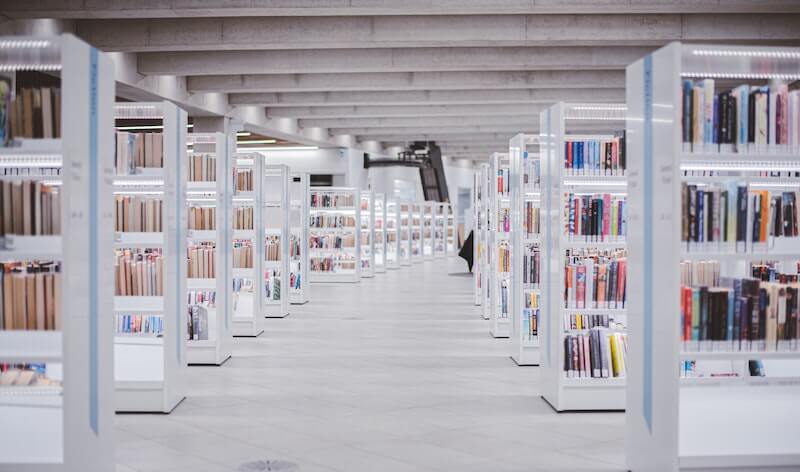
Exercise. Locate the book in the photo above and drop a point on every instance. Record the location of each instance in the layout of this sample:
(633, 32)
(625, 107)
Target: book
(27, 304)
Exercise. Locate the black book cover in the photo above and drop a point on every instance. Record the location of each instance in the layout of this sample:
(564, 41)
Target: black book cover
(741, 214)
(608, 156)
(700, 216)
(692, 212)
(723, 208)
(722, 111)
(751, 118)
(763, 302)
(756, 230)
(567, 354)
(732, 118)
(703, 313)
(777, 216)
(621, 152)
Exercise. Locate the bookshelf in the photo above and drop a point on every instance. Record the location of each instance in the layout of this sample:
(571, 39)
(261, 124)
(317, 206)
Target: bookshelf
(416, 231)
(480, 236)
(406, 233)
(246, 198)
(367, 233)
(676, 419)
(427, 229)
(56, 397)
(298, 225)
(439, 229)
(582, 174)
(150, 364)
(392, 223)
(380, 232)
(525, 174)
(451, 230)
(499, 245)
(333, 235)
(275, 218)
(209, 185)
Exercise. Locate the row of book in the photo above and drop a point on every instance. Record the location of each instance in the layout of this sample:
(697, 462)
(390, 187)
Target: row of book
(740, 315)
(503, 257)
(700, 272)
(242, 254)
(595, 156)
(580, 321)
(332, 200)
(207, 298)
(201, 168)
(26, 375)
(504, 220)
(735, 214)
(243, 217)
(202, 218)
(595, 279)
(32, 112)
(531, 265)
(31, 296)
(138, 214)
(768, 272)
(331, 241)
(139, 273)
(294, 246)
(201, 260)
(503, 181)
(138, 150)
(504, 298)
(595, 217)
(151, 325)
(30, 208)
(332, 221)
(197, 323)
(530, 316)
(243, 180)
(531, 173)
(600, 353)
(30, 171)
(531, 219)
(295, 279)
(735, 119)
(332, 263)
(272, 284)
(242, 284)
(272, 248)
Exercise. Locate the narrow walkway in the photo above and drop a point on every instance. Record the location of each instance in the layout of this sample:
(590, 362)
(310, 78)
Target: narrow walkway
(397, 373)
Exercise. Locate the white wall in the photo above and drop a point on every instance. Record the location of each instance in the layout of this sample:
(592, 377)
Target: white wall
(382, 179)
(313, 161)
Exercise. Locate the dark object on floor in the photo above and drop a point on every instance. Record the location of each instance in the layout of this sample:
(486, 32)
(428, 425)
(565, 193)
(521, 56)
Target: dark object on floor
(264, 466)
(466, 251)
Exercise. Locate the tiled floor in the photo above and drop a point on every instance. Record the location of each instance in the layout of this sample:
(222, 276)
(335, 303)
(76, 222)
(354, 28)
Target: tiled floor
(397, 373)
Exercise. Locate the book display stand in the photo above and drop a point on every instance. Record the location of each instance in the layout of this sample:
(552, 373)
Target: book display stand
(713, 188)
(275, 181)
(333, 241)
(150, 335)
(451, 231)
(367, 233)
(406, 233)
(208, 284)
(392, 234)
(583, 196)
(380, 232)
(298, 251)
(480, 238)
(248, 257)
(526, 257)
(427, 229)
(416, 232)
(498, 255)
(439, 229)
(56, 393)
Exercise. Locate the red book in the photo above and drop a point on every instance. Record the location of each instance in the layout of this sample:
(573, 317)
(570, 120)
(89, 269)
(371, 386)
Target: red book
(580, 287)
(686, 305)
(569, 155)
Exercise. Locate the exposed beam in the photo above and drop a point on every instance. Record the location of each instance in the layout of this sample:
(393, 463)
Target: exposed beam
(388, 60)
(367, 133)
(372, 81)
(427, 97)
(400, 139)
(367, 111)
(314, 32)
(410, 122)
(227, 8)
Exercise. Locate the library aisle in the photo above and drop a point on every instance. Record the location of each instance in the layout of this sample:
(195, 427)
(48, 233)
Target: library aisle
(397, 373)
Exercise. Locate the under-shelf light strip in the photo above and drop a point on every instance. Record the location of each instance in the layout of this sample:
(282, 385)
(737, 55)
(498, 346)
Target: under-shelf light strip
(742, 76)
(786, 54)
(595, 183)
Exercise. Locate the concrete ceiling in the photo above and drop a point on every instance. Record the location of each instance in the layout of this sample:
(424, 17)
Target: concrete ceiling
(381, 73)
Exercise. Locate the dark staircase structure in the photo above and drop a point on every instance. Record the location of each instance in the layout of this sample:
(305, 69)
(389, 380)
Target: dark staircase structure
(426, 156)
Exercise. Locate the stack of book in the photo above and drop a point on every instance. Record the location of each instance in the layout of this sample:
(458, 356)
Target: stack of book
(202, 218)
(202, 168)
(332, 200)
(596, 352)
(242, 254)
(33, 112)
(201, 260)
(243, 180)
(595, 156)
(138, 150)
(595, 217)
(243, 218)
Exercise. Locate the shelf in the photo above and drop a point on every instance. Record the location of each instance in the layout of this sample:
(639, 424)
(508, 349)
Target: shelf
(738, 355)
(47, 246)
(20, 147)
(739, 256)
(244, 234)
(18, 346)
(138, 305)
(333, 230)
(273, 264)
(724, 382)
(596, 311)
(593, 244)
(333, 210)
(201, 235)
(200, 284)
(205, 186)
(243, 272)
(138, 340)
(138, 240)
(739, 160)
(607, 382)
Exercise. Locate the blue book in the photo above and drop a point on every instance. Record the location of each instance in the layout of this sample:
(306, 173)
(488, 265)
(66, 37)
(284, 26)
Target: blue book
(687, 111)
(743, 116)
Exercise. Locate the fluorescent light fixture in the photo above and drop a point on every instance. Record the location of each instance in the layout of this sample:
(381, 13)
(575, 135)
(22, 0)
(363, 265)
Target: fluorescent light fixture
(599, 107)
(243, 133)
(138, 183)
(276, 148)
(245, 162)
(258, 141)
(33, 160)
(31, 66)
(138, 192)
(24, 44)
(785, 54)
(143, 127)
(596, 183)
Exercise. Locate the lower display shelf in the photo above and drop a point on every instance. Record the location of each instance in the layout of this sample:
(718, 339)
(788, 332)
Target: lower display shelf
(198, 283)
(30, 346)
(32, 429)
(139, 304)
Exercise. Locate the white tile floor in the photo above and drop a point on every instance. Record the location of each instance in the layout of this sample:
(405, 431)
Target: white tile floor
(397, 373)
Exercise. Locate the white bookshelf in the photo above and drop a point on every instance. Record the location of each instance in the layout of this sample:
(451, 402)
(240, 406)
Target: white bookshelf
(217, 348)
(451, 230)
(246, 305)
(150, 371)
(50, 427)
(380, 232)
(427, 208)
(480, 236)
(439, 229)
(275, 219)
(392, 229)
(298, 225)
(405, 230)
(676, 423)
(367, 233)
(525, 293)
(558, 123)
(415, 217)
(328, 262)
(499, 239)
